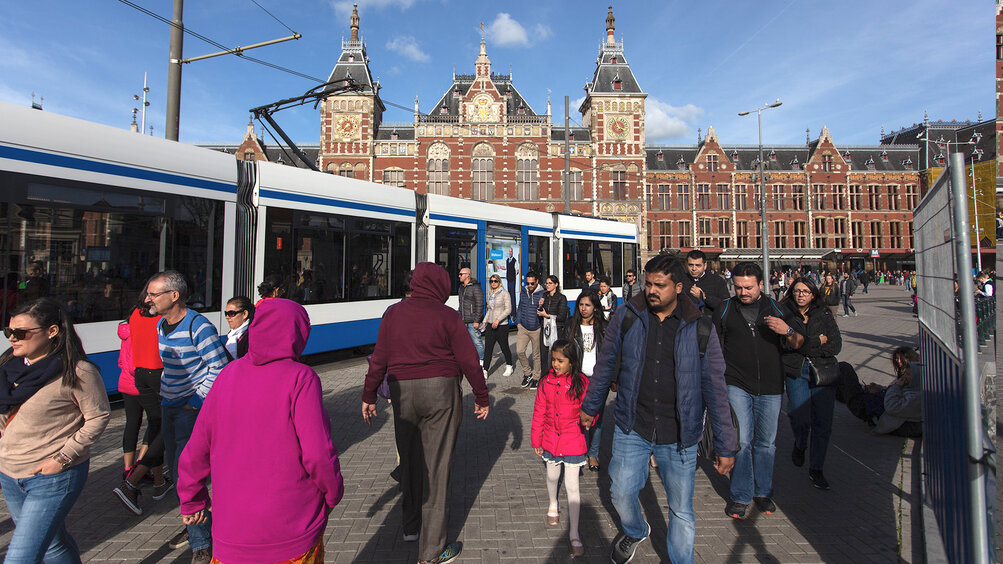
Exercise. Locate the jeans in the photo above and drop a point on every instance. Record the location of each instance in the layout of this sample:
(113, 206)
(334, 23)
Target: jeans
(38, 505)
(475, 334)
(594, 434)
(177, 425)
(848, 305)
(810, 410)
(757, 439)
(628, 472)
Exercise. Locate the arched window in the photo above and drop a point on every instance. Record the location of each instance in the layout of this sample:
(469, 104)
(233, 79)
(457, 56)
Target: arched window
(483, 167)
(438, 169)
(526, 172)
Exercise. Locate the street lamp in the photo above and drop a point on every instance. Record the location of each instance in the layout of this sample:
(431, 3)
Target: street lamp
(762, 191)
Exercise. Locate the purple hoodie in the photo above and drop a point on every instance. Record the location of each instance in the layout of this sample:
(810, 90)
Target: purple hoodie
(263, 438)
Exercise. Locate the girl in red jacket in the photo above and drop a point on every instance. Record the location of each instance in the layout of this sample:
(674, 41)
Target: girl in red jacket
(556, 434)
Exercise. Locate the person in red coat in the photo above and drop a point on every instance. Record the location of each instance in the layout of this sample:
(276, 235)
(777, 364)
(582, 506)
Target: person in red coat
(556, 435)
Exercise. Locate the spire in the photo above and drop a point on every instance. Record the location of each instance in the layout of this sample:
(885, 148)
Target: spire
(807, 136)
(483, 63)
(355, 23)
(610, 20)
(882, 132)
(711, 136)
(250, 128)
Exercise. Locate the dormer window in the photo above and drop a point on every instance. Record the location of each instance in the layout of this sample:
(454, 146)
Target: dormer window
(869, 163)
(773, 156)
(351, 58)
(884, 156)
(907, 163)
(443, 110)
(681, 164)
(795, 163)
(394, 135)
(660, 156)
(734, 157)
(522, 110)
(940, 159)
(571, 136)
(617, 85)
(612, 60)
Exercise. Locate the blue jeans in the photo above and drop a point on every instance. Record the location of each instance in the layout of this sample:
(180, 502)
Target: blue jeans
(810, 410)
(848, 305)
(594, 433)
(757, 416)
(38, 506)
(628, 472)
(478, 339)
(177, 425)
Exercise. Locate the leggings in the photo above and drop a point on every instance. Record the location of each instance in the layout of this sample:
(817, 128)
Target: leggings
(572, 489)
(133, 421)
(500, 336)
(148, 384)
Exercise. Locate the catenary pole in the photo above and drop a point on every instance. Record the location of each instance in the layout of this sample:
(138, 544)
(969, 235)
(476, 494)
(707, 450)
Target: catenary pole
(174, 74)
(566, 187)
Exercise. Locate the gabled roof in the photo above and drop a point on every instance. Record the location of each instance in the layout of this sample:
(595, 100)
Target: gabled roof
(949, 132)
(462, 84)
(610, 67)
(354, 63)
(578, 134)
(786, 158)
(274, 154)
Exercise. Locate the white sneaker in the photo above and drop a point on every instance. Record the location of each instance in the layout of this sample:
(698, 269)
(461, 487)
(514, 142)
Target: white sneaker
(485, 373)
(508, 370)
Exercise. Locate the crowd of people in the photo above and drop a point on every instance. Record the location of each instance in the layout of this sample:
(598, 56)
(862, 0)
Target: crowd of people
(674, 351)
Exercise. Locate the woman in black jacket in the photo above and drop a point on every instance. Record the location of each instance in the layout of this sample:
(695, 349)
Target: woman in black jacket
(816, 337)
(552, 304)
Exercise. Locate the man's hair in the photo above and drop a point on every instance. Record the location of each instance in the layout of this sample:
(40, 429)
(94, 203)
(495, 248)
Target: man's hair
(748, 268)
(631, 271)
(590, 271)
(666, 264)
(532, 274)
(696, 254)
(174, 281)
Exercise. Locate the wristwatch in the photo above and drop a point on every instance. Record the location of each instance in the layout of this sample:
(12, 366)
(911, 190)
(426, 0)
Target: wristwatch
(62, 459)
(790, 331)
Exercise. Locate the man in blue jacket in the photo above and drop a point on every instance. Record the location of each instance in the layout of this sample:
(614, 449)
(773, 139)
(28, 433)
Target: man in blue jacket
(528, 327)
(666, 378)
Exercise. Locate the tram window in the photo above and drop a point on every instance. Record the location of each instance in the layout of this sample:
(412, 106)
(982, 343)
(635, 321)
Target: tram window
(538, 255)
(579, 256)
(629, 259)
(455, 249)
(609, 261)
(93, 247)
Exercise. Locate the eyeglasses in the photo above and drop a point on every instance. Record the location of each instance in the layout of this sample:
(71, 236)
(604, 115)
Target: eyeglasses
(156, 294)
(19, 334)
(803, 292)
(233, 312)
(496, 281)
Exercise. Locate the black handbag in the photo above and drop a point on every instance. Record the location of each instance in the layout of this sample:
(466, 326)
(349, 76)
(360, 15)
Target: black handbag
(823, 374)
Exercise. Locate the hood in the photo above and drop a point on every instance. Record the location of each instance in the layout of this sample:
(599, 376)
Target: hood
(916, 381)
(430, 281)
(123, 331)
(279, 331)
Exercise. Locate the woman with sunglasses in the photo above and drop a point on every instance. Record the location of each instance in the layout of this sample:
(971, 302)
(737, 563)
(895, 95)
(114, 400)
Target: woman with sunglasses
(495, 324)
(140, 356)
(239, 313)
(816, 338)
(53, 408)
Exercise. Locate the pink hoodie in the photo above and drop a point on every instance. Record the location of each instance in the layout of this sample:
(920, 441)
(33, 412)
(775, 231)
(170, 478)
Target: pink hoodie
(127, 378)
(263, 438)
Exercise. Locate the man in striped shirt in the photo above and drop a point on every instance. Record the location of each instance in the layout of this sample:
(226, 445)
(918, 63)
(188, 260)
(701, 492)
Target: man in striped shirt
(193, 355)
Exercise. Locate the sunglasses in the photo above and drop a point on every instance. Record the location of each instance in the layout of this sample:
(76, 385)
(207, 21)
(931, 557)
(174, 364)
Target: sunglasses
(19, 334)
(496, 281)
(233, 312)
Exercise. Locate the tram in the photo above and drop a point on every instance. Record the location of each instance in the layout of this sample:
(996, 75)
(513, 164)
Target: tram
(89, 212)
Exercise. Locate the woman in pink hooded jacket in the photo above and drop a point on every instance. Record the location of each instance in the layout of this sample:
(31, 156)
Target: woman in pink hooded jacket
(271, 507)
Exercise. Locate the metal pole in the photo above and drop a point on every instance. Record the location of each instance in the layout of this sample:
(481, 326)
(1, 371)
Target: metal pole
(174, 74)
(975, 208)
(566, 188)
(145, 103)
(762, 204)
(969, 363)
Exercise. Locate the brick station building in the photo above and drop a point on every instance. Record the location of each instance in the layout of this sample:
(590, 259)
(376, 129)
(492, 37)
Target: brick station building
(828, 204)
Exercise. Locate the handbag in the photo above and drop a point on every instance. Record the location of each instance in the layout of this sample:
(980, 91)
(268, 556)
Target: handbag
(549, 331)
(823, 374)
(383, 390)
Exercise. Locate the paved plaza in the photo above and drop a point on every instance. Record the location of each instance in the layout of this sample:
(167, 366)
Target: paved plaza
(499, 497)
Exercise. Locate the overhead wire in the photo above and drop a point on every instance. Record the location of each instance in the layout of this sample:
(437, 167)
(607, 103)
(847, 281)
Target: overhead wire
(273, 17)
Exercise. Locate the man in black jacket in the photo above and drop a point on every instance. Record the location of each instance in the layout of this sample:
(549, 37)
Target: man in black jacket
(471, 297)
(847, 286)
(702, 286)
(751, 328)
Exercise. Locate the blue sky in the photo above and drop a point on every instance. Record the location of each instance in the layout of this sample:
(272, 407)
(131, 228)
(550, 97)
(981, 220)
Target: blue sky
(854, 66)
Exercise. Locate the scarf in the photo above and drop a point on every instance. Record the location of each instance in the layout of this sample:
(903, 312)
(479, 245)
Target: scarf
(19, 381)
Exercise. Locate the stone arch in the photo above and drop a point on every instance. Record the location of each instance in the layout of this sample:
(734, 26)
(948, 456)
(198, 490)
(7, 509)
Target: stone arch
(438, 151)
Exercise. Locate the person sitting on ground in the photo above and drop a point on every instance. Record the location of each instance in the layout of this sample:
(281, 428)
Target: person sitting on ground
(896, 410)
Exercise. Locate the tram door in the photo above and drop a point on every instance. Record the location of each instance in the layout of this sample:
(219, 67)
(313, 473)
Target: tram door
(503, 252)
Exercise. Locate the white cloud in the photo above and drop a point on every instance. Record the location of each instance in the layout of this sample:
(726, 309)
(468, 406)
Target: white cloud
(343, 8)
(507, 32)
(408, 46)
(665, 121)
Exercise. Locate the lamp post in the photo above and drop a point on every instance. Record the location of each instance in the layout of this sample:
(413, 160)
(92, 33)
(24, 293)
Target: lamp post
(765, 231)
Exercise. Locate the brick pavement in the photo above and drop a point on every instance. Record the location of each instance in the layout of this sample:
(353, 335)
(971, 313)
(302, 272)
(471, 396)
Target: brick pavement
(499, 498)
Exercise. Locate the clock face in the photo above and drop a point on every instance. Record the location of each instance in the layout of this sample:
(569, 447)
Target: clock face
(617, 127)
(347, 126)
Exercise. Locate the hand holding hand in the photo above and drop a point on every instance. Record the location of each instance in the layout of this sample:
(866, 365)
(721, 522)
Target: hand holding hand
(538, 451)
(481, 412)
(368, 412)
(585, 419)
(196, 518)
(723, 464)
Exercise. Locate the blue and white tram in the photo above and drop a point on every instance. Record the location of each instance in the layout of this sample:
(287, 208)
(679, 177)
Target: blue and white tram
(94, 211)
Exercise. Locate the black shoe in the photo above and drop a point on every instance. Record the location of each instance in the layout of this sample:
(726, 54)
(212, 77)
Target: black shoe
(737, 510)
(202, 556)
(797, 457)
(765, 505)
(395, 474)
(179, 540)
(161, 491)
(624, 548)
(818, 480)
(534, 384)
(526, 380)
(129, 496)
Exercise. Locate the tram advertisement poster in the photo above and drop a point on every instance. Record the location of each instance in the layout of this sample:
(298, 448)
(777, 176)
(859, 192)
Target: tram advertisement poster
(503, 260)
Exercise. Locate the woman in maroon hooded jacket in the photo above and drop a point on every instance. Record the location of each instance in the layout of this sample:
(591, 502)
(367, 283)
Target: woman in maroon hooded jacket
(423, 347)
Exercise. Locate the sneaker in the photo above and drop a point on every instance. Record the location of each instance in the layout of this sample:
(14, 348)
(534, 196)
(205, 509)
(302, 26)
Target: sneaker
(508, 370)
(844, 315)
(534, 384)
(818, 480)
(202, 556)
(737, 510)
(765, 505)
(129, 496)
(854, 314)
(797, 457)
(411, 538)
(179, 540)
(526, 380)
(161, 491)
(448, 554)
(624, 548)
